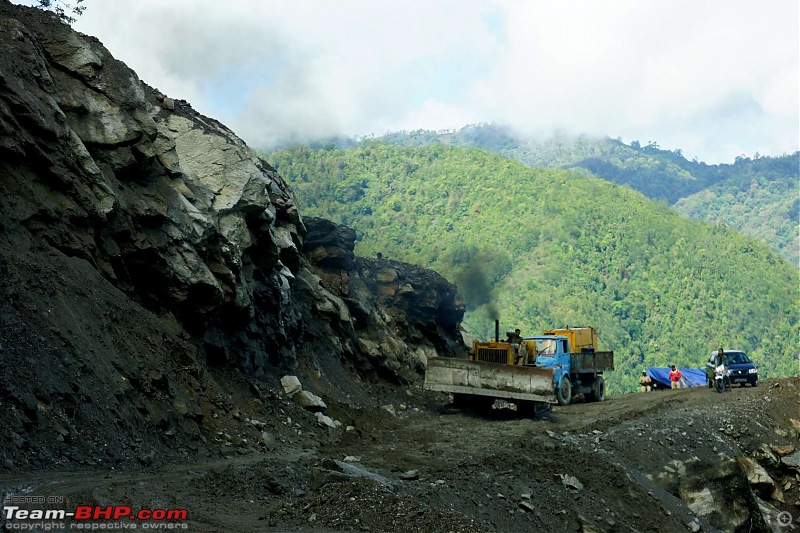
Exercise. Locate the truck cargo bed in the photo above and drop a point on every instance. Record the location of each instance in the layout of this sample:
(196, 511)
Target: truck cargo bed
(590, 362)
(462, 376)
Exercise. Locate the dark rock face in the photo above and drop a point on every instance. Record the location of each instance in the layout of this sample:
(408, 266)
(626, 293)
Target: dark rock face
(168, 205)
(395, 313)
(144, 248)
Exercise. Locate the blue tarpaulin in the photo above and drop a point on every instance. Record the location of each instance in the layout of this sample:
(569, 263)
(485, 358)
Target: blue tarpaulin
(692, 377)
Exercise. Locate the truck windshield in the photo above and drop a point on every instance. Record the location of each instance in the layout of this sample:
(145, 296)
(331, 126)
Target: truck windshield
(546, 347)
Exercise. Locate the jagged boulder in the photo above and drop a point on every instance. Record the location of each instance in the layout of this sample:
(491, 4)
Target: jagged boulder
(329, 245)
(756, 476)
(291, 385)
(713, 490)
(309, 400)
(792, 461)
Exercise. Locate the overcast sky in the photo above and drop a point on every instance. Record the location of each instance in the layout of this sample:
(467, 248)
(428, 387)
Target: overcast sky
(715, 79)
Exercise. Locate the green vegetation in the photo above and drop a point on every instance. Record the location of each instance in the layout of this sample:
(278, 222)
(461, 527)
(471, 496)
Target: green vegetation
(66, 11)
(757, 196)
(760, 199)
(552, 247)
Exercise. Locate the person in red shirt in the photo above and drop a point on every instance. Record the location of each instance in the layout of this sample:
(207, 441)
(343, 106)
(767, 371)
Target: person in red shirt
(675, 377)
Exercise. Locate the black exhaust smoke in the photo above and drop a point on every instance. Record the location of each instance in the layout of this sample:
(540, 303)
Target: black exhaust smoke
(473, 285)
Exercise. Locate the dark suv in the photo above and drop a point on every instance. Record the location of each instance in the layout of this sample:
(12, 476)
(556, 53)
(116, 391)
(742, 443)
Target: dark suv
(742, 369)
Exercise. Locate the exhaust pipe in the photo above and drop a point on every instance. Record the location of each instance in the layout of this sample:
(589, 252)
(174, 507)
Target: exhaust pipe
(496, 331)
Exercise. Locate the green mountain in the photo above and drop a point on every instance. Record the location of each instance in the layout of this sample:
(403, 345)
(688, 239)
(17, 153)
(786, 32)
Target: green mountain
(760, 199)
(545, 248)
(757, 196)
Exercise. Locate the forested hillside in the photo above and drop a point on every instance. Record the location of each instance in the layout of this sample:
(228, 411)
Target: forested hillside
(658, 174)
(549, 248)
(760, 199)
(757, 196)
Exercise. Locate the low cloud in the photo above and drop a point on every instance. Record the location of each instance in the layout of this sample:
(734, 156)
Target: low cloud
(714, 78)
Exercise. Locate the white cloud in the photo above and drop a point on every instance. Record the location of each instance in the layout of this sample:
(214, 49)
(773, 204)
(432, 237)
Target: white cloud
(653, 72)
(715, 78)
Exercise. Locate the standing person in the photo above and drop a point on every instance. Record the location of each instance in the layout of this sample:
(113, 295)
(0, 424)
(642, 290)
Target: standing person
(675, 377)
(514, 338)
(645, 382)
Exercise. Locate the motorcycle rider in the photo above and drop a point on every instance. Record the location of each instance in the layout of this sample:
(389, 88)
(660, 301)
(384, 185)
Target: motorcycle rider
(721, 360)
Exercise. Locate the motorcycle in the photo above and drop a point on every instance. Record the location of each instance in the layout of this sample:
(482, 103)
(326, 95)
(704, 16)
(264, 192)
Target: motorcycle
(720, 375)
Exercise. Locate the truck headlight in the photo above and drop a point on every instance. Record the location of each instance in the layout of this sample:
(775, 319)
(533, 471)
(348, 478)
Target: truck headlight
(753, 371)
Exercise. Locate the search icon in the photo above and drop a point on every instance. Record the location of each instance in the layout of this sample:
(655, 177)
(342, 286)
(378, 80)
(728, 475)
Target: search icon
(785, 519)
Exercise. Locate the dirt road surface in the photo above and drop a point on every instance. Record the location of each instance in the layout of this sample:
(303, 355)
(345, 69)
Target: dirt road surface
(661, 461)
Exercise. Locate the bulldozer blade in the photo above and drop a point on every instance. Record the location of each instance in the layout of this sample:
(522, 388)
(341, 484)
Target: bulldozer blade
(462, 376)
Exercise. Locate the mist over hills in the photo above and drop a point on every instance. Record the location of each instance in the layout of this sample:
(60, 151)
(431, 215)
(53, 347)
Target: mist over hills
(558, 247)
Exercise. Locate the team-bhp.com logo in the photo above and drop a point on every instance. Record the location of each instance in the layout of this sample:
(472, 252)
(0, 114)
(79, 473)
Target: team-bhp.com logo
(87, 517)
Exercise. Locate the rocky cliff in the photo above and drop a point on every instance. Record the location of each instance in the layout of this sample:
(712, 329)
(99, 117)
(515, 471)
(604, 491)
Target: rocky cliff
(152, 268)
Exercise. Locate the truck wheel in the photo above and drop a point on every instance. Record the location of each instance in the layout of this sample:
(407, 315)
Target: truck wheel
(598, 393)
(564, 391)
